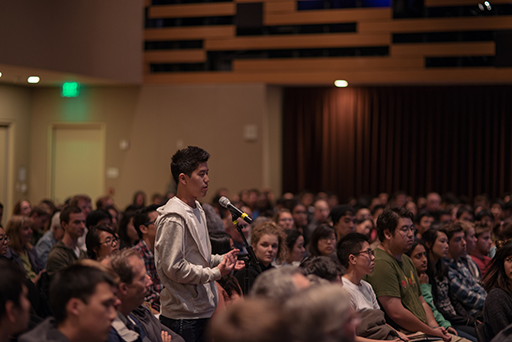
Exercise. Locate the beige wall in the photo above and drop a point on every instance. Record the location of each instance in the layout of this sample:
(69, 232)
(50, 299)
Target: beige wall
(15, 105)
(158, 120)
(90, 37)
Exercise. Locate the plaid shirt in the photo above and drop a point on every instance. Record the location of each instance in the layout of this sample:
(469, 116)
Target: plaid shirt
(148, 257)
(464, 287)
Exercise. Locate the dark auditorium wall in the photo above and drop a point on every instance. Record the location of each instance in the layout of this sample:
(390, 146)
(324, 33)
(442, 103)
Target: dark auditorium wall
(95, 38)
(367, 140)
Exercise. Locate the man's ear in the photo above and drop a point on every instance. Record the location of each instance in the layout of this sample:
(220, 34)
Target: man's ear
(387, 234)
(9, 311)
(74, 306)
(182, 178)
(123, 288)
(143, 229)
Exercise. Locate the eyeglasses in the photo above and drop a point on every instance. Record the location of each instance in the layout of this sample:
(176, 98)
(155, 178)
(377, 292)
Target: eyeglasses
(369, 251)
(110, 241)
(150, 222)
(5, 239)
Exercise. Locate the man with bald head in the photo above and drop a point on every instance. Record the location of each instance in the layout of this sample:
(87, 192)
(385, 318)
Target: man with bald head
(320, 215)
(433, 202)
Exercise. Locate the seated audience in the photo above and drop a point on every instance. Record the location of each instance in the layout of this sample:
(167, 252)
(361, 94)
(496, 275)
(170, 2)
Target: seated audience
(268, 242)
(480, 253)
(323, 242)
(101, 241)
(66, 251)
(343, 220)
(465, 213)
(50, 238)
(279, 284)
(498, 284)
(144, 223)
(463, 286)
(323, 267)
(418, 255)
(251, 321)
(232, 230)
(22, 208)
(436, 244)
(424, 221)
(228, 287)
(83, 301)
(14, 304)
(98, 217)
(114, 217)
(470, 237)
(365, 226)
(321, 314)
(484, 217)
(20, 251)
(300, 219)
(134, 321)
(295, 246)
(127, 233)
(284, 219)
(84, 203)
(394, 278)
(357, 257)
(39, 217)
(320, 215)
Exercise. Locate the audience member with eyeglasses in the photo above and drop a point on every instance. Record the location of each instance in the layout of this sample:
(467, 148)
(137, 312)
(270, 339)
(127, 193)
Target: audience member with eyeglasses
(101, 242)
(355, 254)
(394, 278)
(323, 241)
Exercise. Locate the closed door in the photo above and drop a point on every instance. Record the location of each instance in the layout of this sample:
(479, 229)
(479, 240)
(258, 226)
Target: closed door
(77, 161)
(4, 164)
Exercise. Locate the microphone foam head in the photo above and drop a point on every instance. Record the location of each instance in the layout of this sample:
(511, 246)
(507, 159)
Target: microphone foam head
(224, 201)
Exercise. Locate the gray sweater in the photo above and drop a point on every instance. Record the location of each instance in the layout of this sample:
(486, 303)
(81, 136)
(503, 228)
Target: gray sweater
(184, 264)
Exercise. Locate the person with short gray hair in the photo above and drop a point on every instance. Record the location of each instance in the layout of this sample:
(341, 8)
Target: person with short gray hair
(321, 314)
(279, 284)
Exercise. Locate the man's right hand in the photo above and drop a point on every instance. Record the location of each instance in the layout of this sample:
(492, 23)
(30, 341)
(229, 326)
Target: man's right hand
(441, 332)
(228, 262)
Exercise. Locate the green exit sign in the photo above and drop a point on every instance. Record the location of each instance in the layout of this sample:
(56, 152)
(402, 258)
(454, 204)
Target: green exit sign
(70, 89)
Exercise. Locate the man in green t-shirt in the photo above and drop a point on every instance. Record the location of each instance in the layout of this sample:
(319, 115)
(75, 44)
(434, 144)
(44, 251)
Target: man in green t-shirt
(394, 278)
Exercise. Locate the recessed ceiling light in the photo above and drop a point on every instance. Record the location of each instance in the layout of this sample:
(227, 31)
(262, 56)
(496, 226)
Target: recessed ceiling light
(341, 83)
(33, 79)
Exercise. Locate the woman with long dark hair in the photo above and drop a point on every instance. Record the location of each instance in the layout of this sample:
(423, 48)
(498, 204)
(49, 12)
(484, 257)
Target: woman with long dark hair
(436, 245)
(498, 284)
(323, 241)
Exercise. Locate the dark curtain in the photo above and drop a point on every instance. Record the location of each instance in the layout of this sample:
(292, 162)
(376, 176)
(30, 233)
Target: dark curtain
(367, 140)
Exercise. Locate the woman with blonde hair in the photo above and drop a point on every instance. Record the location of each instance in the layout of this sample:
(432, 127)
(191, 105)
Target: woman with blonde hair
(268, 242)
(20, 251)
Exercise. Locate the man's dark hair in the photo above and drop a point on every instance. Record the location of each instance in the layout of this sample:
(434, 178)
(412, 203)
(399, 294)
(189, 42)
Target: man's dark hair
(339, 211)
(388, 220)
(422, 214)
(92, 239)
(39, 211)
(141, 217)
(466, 208)
(67, 211)
(220, 242)
(11, 284)
(451, 228)
(483, 213)
(75, 281)
(187, 160)
(349, 244)
(377, 207)
(96, 216)
(324, 267)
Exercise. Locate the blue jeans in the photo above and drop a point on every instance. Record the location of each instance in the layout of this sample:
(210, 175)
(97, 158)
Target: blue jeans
(192, 330)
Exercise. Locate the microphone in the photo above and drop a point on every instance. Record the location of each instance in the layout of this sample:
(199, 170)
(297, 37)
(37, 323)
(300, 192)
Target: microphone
(234, 210)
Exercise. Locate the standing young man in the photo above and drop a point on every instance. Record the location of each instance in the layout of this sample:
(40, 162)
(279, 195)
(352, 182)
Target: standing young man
(183, 257)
